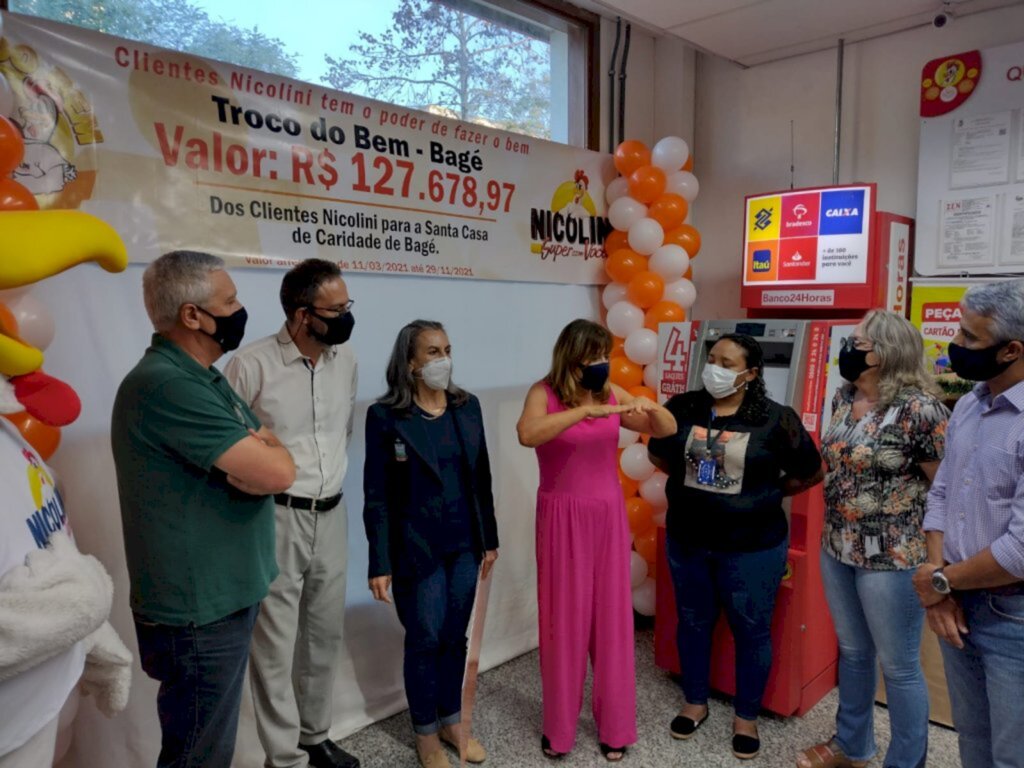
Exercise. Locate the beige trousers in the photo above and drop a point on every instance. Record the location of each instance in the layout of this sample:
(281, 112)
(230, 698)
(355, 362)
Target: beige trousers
(297, 637)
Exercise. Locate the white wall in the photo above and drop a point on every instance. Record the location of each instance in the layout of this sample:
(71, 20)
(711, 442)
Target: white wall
(743, 127)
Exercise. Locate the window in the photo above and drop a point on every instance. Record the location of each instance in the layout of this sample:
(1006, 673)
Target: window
(527, 66)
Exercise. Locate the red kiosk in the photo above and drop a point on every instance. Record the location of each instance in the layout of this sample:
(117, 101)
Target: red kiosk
(814, 260)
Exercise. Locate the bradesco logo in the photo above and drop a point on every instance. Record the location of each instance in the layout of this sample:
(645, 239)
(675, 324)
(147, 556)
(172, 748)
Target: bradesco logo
(800, 215)
(842, 212)
(941, 312)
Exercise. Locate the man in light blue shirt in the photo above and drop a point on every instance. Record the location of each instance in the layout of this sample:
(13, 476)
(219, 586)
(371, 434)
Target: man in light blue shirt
(973, 584)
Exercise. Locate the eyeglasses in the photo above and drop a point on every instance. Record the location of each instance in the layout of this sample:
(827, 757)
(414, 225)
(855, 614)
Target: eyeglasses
(851, 343)
(338, 310)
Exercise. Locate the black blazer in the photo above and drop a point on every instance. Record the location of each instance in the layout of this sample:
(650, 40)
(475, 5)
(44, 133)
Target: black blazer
(403, 502)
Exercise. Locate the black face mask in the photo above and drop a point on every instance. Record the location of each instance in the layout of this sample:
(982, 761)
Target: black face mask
(229, 329)
(339, 329)
(852, 363)
(977, 364)
(594, 377)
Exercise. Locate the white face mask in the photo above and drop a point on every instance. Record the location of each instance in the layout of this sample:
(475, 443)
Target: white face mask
(718, 381)
(437, 373)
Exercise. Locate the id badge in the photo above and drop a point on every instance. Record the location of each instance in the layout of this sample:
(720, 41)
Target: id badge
(706, 471)
(400, 454)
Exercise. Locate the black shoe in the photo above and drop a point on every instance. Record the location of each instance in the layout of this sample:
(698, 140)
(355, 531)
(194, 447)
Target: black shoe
(327, 754)
(684, 727)
(745, 747)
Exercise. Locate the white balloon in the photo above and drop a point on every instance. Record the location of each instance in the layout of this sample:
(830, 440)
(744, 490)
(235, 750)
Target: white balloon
(652, 490)
(670, 261)
(627, 437)
(670, 154)
(35, 323)
(612, 294)
(646, 236)
(637, 570)
(645, 597)
(624, 318)
(682, 292)
(635, 464)
(618, 187)
(659, 519)
(651, 376)
(6, 97)
(625, 212)
(642, 346)
(684, 184)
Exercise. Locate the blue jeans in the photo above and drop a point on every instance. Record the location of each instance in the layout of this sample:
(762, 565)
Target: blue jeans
(200, 670)
(744, 584)
(878, 619)
(986, 680)
(435, 611)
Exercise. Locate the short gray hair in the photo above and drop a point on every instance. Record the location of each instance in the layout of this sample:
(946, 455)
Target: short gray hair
(174, 279)
(1001, 302)
(901, 358)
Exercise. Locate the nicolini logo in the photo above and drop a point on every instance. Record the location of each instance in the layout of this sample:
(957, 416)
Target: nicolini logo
(571, 227)
(799, 210)
(763, 219)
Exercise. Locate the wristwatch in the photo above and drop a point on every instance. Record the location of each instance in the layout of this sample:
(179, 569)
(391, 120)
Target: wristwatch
(940, 583)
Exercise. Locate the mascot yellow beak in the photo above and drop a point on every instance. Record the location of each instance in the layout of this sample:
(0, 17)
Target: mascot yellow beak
(35, 245)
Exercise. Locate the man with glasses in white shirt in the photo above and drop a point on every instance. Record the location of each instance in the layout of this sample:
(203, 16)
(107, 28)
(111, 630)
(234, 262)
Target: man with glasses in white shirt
(301, 382)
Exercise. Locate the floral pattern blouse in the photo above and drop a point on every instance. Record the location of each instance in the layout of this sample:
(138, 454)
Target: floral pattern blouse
(875, 492)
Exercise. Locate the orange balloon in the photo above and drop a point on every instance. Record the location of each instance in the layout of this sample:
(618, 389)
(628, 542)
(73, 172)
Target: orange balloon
(669, 210)
(688, 165)
(8, 324)
(625, 264)
(618, 347)
(616, 241)
(645, 289)
(639, 513)
(625, 372)
(12, 147)
(643, 391)
(664, 312)
(689, 273)
(15, 197)
(630, 155)
(647, 183)
(630, 487)
(42, 437)
(646, 545)
(686, 236)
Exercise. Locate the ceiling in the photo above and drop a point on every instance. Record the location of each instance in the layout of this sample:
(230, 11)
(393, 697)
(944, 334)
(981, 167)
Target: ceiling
(752, 32)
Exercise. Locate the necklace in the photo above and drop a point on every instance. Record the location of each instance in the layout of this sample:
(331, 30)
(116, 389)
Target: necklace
(429, 412)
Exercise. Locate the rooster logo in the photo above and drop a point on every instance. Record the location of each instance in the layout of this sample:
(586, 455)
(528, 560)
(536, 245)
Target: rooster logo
(38, 478)
(572, 198)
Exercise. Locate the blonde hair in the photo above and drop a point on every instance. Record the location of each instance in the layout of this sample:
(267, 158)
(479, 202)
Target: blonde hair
(901, 359)
(580, 342)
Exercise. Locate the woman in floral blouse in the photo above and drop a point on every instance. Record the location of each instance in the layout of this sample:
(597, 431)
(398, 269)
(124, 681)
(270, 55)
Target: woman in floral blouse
(882, 448)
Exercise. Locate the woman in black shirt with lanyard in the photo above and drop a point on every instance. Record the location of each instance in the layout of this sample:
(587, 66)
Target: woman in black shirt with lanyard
(734, 458)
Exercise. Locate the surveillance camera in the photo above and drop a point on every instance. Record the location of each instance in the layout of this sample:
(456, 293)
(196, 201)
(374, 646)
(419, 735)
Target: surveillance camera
(942, 19)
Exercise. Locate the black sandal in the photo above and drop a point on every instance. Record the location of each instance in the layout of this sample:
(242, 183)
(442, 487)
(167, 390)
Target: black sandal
(608, 751)
(684, 727)
(549, 753)
(745, 747)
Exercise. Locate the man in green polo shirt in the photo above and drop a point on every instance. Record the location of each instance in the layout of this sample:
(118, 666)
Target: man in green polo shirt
(196, 474)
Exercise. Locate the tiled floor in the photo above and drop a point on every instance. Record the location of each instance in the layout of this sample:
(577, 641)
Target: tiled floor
(507, 721)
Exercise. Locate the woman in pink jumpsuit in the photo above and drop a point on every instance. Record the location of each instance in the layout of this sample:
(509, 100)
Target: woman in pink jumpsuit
(572, 418)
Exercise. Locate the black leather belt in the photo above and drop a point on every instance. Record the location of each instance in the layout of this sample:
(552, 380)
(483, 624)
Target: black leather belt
(298, 502)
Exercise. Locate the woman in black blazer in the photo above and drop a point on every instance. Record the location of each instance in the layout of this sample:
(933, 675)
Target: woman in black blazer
(429, 517)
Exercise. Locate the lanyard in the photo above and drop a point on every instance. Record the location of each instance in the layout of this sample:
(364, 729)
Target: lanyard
(710, 442)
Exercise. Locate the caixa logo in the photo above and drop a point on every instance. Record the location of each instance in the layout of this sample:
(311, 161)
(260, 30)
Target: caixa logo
(944, 312)
(844, 212)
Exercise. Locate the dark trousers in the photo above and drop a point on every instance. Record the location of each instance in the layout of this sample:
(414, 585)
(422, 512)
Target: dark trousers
(200, 670)
(435, 611)
(744, 585)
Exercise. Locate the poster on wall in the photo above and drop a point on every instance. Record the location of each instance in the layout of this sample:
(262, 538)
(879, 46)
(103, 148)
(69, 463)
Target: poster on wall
(971, 164)
(675, 354)
(935, 310)
(178, 151)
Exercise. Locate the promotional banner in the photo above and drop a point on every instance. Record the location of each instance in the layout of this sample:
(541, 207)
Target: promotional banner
(177, 151)
(935, 310)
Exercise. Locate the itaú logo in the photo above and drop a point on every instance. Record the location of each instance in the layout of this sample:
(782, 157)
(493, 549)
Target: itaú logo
(836, 213)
